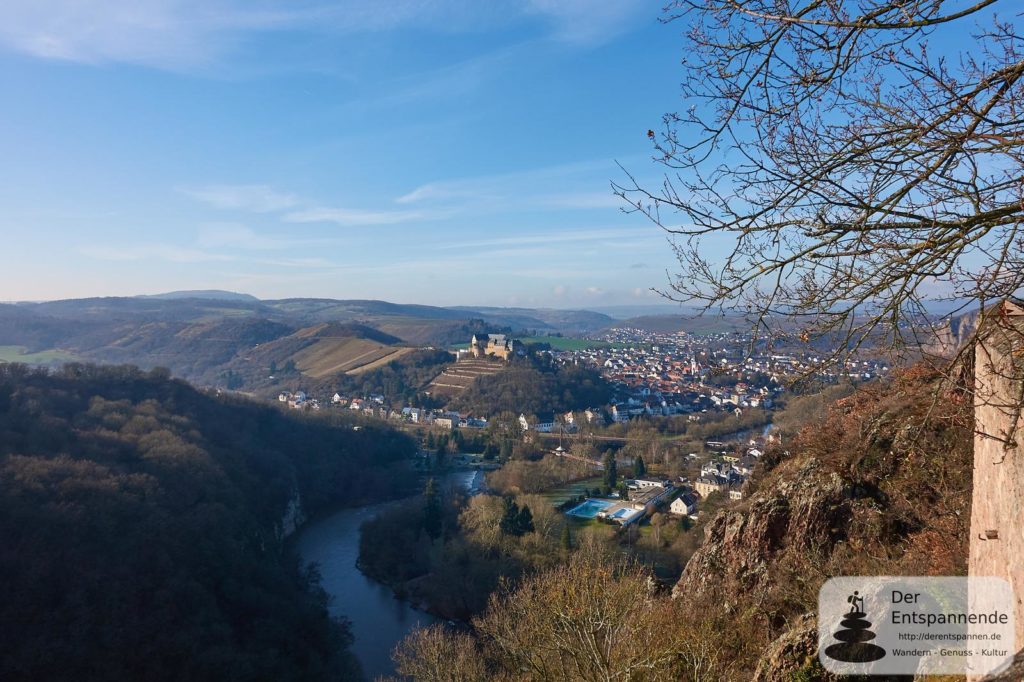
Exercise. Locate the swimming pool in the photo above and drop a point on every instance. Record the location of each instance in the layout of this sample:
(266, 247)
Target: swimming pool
(589, 508)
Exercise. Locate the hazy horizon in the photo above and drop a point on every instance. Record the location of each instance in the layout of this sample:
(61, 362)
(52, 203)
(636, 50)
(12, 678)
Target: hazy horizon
(615, 311)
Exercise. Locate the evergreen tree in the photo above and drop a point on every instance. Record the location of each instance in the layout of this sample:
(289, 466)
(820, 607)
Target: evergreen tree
(430, 440)
(431, 510)
(611, 471)
(524, 524)
(639, 467)
(509, 523)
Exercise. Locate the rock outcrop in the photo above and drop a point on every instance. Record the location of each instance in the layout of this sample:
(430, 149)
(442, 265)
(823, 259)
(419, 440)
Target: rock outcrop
(1015, 673)
(805, 513)
(794, 654)
(293, 517)
(881, 486)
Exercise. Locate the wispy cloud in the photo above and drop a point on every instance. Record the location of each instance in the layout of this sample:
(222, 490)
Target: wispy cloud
(292, 209)
(170, 253)
(159, 252)
(582, 200)
(582, 185)
(445, 83)
(237, 236)
(589, 21)
(347, 217)
(188, 33)
(178, 33)
(254, 198)
(300, 263)
(510, 185)
(561, 236)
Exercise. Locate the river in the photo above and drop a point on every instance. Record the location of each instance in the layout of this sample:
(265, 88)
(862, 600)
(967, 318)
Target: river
(379, 621)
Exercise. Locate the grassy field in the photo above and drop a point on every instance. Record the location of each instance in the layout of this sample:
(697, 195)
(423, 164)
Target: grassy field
(45, 357)
(559, 495)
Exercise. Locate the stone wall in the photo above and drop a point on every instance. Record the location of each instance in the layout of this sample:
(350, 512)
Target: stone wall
(997, 509)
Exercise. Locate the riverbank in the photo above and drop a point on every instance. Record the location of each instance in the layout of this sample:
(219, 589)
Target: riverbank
(378, 620)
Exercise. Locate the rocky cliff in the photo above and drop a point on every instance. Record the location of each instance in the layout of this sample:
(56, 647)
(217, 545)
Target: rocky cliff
(294, 516)
(880, 486)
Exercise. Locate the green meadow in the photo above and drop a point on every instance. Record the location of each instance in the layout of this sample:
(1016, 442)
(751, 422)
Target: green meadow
(45, 357)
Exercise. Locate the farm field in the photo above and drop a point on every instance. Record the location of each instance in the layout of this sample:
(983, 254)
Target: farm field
(46, 357)
(329, 356)
(380, 362)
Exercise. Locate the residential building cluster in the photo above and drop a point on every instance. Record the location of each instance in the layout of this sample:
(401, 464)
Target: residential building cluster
(375, 405)
(659, 374)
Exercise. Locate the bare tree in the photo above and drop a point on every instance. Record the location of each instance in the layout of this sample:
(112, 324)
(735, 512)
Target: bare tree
(844, 162)
(593, 617)
(588, 619)
(437, 654)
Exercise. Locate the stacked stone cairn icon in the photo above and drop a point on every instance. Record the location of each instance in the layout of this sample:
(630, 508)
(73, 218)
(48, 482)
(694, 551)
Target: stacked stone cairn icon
(855, 640)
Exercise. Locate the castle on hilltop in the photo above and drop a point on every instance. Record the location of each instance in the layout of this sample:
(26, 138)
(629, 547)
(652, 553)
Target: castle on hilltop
(493, 345)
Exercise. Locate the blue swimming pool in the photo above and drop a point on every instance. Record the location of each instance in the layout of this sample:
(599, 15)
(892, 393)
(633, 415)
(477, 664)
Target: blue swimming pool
(589, 508)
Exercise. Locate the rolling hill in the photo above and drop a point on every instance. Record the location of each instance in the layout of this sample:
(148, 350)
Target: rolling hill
(568, 322)
(220, 338)
(214, 294)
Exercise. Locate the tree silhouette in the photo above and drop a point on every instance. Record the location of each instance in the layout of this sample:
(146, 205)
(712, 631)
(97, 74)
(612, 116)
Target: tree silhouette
(431, 510)
(611, 471)
(524, 524)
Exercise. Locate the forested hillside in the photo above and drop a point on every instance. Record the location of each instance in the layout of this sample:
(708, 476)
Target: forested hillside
(142, 529)
(530, 389)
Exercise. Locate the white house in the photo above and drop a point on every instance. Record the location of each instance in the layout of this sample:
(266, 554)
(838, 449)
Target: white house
(684, 505)
(647, 483)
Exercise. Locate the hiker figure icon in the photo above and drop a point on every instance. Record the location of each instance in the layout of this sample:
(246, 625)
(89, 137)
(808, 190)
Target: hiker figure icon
(855, 635)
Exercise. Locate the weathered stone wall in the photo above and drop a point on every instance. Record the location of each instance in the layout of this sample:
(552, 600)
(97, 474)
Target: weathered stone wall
(997, 509)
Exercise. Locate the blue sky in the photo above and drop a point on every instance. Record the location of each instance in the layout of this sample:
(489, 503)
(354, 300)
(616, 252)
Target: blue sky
(441, 152)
